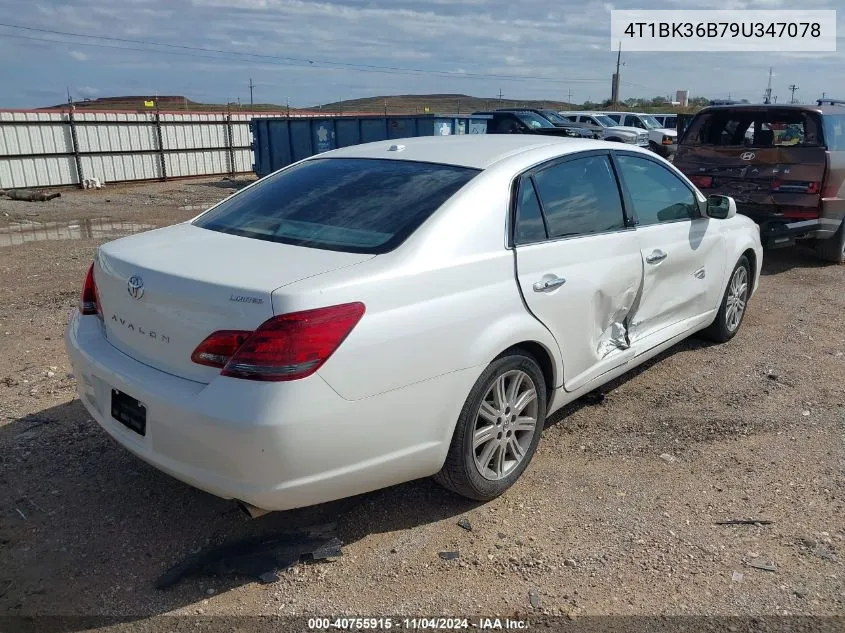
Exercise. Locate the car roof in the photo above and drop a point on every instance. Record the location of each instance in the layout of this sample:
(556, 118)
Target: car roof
(800, 107)
(478, 151)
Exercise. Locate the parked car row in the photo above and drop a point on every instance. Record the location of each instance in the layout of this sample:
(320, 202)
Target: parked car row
(641, 130)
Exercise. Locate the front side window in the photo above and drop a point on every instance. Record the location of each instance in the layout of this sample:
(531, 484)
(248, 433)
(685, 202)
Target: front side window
(657, 195)
(356, 205)
(580, 197)
(533, 121)
(605, 121)
(651, 123)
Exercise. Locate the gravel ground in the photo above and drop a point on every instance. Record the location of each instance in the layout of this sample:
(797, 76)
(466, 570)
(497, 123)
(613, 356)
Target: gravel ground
(616, 514)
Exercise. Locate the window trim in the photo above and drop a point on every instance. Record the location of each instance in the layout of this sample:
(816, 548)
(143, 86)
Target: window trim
(529, 174)
(629, 203)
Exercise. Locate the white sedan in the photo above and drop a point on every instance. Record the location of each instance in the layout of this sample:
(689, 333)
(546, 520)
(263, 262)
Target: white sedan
(400, 309)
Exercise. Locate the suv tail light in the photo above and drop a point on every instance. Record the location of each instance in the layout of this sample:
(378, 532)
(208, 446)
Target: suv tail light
(286, 347)
(702, 181)
(89, 302)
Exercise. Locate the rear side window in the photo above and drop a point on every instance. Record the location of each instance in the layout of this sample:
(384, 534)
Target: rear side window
(580, 197)
(529, 218)
(356, 205)
(615, 117)
(834, 132)
(754, 128)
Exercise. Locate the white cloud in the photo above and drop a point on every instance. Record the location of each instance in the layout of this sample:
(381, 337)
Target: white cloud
(546, 49)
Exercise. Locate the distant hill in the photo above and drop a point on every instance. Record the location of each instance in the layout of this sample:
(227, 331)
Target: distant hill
(442, 103)
(394, 104)
(168, 103)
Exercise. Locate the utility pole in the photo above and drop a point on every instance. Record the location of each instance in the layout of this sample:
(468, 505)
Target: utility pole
(768, 97)
(614, 89)
(570, 97)
(792, 89)
(500, 97)
(251, 86)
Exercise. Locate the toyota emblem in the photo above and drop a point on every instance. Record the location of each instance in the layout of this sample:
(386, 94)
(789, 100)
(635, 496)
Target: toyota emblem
(135, 287)
(748, 156)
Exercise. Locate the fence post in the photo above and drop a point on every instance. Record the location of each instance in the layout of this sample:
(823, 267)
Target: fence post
(230, 136)
(74, 142)
(159, 135)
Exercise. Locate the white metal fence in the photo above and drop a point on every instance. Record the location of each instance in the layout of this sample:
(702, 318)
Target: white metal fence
(41, 149)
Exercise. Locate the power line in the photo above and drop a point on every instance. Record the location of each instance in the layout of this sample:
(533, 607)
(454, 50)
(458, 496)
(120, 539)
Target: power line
(293, 61)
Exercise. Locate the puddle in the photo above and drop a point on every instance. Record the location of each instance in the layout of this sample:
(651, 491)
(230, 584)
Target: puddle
(18, 234)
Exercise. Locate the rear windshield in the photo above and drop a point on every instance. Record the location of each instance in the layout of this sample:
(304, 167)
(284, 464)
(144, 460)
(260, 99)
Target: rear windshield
(754, 128)
(356, 205)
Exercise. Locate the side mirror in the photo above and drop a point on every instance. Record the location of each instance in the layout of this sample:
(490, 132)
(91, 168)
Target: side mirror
(721, 207)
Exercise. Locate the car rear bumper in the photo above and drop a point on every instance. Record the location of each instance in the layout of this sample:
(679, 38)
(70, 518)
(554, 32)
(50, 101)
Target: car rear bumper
(779, 231)
(273, 445)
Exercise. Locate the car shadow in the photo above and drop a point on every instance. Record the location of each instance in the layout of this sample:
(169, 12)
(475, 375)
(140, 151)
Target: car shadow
(780, 260)
(87, 528)
(596, 396)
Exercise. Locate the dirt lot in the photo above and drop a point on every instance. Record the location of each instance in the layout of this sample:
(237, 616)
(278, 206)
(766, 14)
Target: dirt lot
(599, 524)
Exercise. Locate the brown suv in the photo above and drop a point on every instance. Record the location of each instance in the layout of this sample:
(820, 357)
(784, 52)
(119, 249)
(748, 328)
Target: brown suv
(783, 164)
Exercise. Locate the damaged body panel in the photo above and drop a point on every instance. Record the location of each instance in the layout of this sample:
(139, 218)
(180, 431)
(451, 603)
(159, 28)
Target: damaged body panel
(590, 312)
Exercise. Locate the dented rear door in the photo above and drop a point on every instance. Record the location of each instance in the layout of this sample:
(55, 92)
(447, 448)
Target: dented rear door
(578, 265)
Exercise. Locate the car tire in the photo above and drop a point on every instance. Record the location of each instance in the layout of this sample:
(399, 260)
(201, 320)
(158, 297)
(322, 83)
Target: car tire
(489, 450)
(727, 323)
(833, 248)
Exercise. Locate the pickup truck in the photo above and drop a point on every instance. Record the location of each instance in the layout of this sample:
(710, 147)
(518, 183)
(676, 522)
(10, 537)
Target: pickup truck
(607, 129)
(661, 140)
(525, 122)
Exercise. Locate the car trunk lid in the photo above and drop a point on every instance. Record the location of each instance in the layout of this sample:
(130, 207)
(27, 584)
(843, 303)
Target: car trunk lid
(163, 292)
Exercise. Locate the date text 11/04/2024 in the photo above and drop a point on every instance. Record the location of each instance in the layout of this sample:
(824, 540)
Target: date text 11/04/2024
(417, 624)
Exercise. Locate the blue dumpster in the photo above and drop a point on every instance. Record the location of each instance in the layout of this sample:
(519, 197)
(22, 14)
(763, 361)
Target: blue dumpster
(278, 142)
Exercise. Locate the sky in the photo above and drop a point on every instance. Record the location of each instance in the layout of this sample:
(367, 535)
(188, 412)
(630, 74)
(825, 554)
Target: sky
(309, 53)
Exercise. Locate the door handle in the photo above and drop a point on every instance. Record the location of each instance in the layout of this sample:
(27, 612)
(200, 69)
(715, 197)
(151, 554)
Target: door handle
(549, 284)
(656, 256)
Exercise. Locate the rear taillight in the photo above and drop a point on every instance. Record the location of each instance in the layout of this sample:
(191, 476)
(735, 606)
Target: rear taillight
(89, 302)
(286, 347)
(218, 349)
(702, 181)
